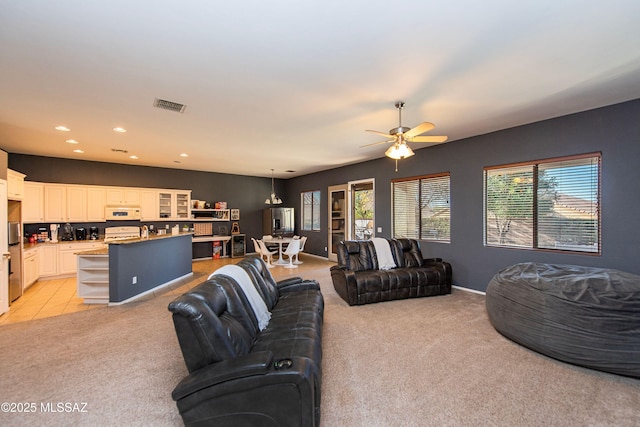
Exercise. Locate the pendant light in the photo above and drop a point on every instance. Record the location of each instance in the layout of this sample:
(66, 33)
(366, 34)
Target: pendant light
(273, 199)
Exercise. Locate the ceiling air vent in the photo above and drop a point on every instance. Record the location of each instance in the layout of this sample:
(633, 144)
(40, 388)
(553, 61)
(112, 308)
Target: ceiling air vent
(168, 105)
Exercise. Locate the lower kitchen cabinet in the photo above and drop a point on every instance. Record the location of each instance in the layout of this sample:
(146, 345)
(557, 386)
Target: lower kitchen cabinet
(31, 267)
(47, 260)
(61, 259)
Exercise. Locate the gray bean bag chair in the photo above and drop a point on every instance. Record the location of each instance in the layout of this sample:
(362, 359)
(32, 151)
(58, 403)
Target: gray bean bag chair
(581, 315)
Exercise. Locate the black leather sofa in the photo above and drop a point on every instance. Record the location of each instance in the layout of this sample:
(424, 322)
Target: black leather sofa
(240, 375)
(358, 279)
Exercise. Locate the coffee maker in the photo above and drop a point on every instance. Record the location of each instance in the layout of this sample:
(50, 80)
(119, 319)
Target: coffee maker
(67, 233)
(81, 233)
(93, 233)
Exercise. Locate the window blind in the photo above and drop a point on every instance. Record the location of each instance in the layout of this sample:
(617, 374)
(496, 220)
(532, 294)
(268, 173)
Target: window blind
(552, 204)
(421, 208)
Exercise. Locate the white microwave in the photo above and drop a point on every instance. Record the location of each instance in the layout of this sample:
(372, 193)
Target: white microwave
(122, 213)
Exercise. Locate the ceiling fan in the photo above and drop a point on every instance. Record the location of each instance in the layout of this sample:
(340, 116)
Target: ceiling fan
(400, 135)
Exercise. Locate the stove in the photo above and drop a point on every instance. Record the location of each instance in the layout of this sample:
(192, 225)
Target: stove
(121, 233)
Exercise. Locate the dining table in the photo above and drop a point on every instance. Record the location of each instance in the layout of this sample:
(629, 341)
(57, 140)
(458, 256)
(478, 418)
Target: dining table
(280, 241)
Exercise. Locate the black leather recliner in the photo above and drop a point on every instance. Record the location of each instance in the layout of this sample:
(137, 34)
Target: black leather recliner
(239, 375)
(358, 279)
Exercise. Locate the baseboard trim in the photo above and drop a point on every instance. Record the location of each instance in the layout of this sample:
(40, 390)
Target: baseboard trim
(157, 288)
(473, 291)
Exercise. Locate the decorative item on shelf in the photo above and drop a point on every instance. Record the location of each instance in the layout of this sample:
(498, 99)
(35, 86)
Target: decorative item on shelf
(235, 228)
(221, 205)
(235, 214)
(273, 199)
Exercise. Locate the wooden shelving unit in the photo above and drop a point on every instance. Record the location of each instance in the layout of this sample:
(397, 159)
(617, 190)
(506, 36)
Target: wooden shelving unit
(210, 214)
(93, 278)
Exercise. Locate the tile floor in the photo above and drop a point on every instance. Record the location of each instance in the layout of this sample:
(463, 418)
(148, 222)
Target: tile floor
(47, 298)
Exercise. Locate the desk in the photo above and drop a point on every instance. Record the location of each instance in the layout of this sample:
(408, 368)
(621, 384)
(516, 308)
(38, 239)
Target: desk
(223, 239)
(279, 241)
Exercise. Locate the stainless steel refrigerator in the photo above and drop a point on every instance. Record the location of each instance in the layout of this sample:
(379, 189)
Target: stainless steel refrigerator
(15, 262)
(278, 222)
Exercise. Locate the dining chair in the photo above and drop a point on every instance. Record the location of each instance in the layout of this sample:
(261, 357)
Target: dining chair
(303, 240)
(265, 252)
(292, 250)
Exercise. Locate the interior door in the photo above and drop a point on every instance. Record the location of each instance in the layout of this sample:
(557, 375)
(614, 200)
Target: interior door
(4, 249)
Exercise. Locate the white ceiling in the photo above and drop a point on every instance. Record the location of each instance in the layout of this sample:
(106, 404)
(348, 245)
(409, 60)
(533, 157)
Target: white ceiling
(292, 85)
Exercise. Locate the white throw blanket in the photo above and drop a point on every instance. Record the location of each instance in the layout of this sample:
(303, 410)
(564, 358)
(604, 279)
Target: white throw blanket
(383, 252)
(257, 303)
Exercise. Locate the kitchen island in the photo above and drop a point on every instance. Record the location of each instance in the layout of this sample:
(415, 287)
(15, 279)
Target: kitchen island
(128, 269)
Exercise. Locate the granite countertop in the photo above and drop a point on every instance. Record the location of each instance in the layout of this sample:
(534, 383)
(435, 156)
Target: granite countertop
(105, 250)
(151, 237)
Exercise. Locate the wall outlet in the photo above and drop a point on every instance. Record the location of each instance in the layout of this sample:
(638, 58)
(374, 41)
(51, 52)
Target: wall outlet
(134, 280)
(325, 249)
(379, 229)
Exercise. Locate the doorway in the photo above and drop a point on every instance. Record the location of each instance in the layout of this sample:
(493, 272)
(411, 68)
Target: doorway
(362, 210)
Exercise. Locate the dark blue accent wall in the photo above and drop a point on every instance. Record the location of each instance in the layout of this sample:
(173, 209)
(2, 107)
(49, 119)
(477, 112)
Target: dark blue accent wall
(614, 131)
(153, 263)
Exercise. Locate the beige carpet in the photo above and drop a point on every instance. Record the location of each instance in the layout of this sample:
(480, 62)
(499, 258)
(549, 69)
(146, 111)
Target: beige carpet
(423, 362)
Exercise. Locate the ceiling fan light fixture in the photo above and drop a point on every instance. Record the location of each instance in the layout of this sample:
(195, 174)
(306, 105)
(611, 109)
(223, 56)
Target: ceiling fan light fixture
(399, 151)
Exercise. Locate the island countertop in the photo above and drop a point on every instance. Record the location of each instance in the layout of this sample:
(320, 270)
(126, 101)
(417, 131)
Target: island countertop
(126, 269)
(105, 250)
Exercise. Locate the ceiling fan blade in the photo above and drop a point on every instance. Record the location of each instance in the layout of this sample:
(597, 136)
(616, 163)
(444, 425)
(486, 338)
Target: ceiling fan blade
(378, 143)
(380, 133)
(432, 139)
(421, 128)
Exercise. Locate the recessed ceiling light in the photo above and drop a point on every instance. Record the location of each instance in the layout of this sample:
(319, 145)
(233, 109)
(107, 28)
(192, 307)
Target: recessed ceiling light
(184, 155)
(71, 141)
(133, 157)
(62, 128)
(120, 130)
(78, 151)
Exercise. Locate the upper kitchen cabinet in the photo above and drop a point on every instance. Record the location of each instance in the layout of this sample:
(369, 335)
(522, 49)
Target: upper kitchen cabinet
(96, 201)
(15, 185)
(123, 196)
(33, 202)
(149, 205)
(174, 204)
(65, 203)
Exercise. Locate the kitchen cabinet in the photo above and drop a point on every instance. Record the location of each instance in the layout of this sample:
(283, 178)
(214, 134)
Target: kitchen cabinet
(15, 185)
(65, 203)
(60, 259)
(33, 202)
(96, 201)
(174, 204)
(76, 203)
(68, 258)
(47, 260)
(149, 205)
(30, 267)
(55, 200)
(123, 196)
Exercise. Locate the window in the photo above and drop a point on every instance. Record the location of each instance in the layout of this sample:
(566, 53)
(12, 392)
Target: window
(552, 204)
(421, 208)
(311, 210)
